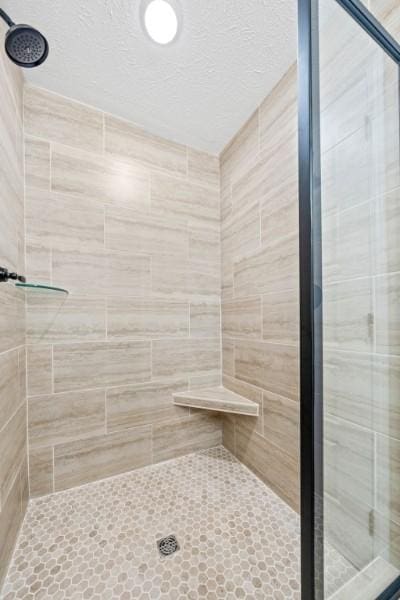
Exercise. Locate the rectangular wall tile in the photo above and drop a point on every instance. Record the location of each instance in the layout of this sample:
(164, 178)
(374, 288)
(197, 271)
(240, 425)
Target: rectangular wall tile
(388, 476)
(185, 357)
(60, 418)
(40, 471)
(274, 267)
(10, 521)
(103, 456)
(212, 379)
(181, 199)
(9, 385)
(100, 364)
(276, 468)
(386, 381)
(347, 244)
(279, 106)
(228, 356)
(204, 242)
(346, 526)
(280, 314)
(249, 190)
(184, 279)
(125, 140)
(62, 120)
(175, 438)
(12, 317)
(228, 434)
(205, 319)
(242, 151)
(79, 271)
(22, 373)
(282, 422)
(61, 318)
(127, 274)
(251, 393)
(273, 367)
(242, 231)
(24, 483)
(203, 168)
(101, 178)
(348, 315)
(342, 186)
(132, 317)
(62, 223)
(387, 325)
(13, 451)
(127, 231)
(144, 404)
(37, 163)
(38, 263)
(39, 370)
(349, 461)
(348, 386)
(242, 318)
(386, 216)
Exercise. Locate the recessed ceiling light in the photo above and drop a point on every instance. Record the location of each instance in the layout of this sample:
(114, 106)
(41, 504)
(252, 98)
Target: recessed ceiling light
(160, 20)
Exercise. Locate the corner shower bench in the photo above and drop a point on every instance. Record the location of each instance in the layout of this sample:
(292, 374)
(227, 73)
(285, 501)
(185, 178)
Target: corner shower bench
(219, 399)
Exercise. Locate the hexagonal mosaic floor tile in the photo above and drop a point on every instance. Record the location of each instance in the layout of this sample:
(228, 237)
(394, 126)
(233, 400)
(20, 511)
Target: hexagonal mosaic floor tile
(236, 538)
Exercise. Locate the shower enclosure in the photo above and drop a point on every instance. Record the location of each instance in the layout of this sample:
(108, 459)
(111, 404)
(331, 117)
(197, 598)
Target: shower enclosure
(350, 298)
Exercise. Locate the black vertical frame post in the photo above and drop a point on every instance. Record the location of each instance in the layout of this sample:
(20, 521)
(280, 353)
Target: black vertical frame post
(311, 430)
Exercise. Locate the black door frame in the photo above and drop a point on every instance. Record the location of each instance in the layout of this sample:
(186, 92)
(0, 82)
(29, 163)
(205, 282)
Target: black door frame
(311, 401)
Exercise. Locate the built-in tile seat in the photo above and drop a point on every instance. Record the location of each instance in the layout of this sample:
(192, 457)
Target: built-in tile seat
(219, 399)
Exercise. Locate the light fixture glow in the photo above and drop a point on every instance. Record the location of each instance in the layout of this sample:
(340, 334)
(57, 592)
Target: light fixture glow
(161, 21)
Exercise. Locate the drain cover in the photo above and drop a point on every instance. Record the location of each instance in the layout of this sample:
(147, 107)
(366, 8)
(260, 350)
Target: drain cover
(168, 545)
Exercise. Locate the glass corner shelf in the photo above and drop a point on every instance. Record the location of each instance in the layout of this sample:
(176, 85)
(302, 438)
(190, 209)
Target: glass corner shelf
(41, 288)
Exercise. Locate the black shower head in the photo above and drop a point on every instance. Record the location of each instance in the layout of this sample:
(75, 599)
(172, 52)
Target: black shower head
(24, 45)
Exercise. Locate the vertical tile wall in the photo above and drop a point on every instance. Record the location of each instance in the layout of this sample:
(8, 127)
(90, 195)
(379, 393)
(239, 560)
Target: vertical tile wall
(259, 239)
(13, 450)
(129, 223)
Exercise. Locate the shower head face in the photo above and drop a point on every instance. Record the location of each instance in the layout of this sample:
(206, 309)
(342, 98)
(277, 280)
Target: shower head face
(26, 46)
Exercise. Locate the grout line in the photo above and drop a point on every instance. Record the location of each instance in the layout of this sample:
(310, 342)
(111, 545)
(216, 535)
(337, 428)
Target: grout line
(105, 412)
(103, 133)
(375, 471)
(18, 408)
(52, 368)
(152, 444)
(50, 166)
(374, 303)
(53, 483)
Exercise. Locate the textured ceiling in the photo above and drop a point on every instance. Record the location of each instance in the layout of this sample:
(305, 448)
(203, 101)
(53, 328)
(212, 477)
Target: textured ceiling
(197, 91)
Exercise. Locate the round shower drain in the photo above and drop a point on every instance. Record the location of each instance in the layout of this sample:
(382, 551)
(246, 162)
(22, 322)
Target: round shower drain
(168, 545)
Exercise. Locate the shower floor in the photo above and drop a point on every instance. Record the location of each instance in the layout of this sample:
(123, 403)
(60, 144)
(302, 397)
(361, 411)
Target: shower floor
(237, 538)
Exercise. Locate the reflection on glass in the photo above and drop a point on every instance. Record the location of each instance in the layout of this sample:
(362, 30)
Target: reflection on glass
(360, 195)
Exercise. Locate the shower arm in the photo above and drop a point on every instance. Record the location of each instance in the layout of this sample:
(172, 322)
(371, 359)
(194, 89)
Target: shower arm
(6, 18)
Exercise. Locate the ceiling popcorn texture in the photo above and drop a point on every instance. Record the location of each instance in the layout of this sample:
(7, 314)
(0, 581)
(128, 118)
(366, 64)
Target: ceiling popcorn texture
(197, 91)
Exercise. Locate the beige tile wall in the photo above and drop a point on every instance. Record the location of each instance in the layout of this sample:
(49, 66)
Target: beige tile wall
(259, 237)
(129, 223)
(13, 447)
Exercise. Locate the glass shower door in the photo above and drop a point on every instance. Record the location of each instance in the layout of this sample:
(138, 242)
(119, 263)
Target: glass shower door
(351, 278)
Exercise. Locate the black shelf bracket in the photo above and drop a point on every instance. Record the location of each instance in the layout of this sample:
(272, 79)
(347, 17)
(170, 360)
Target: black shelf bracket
(5, 275)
